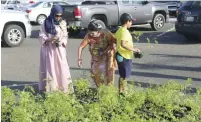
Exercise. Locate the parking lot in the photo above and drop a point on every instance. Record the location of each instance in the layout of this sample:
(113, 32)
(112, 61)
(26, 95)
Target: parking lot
(171, 58)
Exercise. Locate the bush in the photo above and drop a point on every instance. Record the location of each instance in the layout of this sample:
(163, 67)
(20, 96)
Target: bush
(162, 103)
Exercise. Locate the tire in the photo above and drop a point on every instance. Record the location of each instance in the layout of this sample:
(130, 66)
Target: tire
(40, 19)
(13, 36)
(103, 26)
(199, 37)
(158, 22)
(190, 37)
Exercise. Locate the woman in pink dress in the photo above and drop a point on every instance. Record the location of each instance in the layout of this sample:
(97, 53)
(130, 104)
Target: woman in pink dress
(54, 70)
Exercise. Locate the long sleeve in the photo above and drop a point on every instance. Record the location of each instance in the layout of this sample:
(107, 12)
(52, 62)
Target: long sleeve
(43, 37)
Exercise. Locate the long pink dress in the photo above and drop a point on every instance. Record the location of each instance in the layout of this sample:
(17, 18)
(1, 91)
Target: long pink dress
(54, 70)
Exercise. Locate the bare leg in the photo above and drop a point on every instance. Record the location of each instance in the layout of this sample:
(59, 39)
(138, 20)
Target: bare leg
(122, 85)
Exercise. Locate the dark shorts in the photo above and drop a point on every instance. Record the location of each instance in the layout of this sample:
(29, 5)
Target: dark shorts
(124, 66)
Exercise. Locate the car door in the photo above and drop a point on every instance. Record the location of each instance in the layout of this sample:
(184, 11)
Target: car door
(126, 6)
(46, 8)
(142, 12)
(194, 14)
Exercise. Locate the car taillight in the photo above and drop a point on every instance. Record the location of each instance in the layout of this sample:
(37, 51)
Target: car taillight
(28, 11)
(77, 13)
(31, 2)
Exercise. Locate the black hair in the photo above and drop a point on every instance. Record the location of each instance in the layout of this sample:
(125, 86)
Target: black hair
(93, 26)
(125, 17)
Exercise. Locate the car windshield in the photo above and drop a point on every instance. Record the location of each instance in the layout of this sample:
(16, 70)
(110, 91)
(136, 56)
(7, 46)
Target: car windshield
(187, 4)
(36, 4)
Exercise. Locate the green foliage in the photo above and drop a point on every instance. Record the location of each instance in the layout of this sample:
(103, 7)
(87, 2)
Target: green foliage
(137, 35)
(161, 103)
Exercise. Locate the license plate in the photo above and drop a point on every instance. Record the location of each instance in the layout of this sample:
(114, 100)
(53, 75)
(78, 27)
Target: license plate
(189, 19)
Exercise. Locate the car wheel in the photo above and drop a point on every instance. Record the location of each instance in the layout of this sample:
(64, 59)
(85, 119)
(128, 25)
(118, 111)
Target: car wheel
(190, 37)
(199, 37)
(101, 23)
(40, 19)
(158, 22)
(13, 36)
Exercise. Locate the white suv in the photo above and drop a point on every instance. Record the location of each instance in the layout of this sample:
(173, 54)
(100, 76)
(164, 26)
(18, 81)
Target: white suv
(14, 27)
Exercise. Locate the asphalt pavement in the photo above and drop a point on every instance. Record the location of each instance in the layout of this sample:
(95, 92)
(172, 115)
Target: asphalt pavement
(171, 57)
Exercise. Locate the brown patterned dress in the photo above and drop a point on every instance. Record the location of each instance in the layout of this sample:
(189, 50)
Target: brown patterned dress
(103, 63)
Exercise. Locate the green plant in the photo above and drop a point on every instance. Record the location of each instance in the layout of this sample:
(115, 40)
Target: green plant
(137, 35)
(162, 103)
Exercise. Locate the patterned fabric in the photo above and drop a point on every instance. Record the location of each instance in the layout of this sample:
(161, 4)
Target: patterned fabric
(103, 63)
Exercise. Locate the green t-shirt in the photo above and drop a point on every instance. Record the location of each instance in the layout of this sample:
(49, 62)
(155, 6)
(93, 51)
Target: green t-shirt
(123, 34)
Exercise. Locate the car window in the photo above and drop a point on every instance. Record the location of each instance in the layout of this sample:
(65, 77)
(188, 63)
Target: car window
(10, 2)
(125, 2)
(60, 3)
(188, 3)
(136, 2)
(196, 4)
(47, 5)
(36, 4)
(3, 1)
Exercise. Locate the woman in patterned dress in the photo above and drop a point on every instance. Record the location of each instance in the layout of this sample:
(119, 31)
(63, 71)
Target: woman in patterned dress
(102, 49)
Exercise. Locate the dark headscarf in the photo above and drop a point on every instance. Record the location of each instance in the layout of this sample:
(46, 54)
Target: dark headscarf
(50, 21)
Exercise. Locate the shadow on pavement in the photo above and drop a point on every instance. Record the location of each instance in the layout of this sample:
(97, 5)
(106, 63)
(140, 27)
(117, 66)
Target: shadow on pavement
(157, 66)
(20, 85)
(76, 68)
(13, 83)
(141, 29)
(190, 90)
(35, 34)
(158, 75)
(176, 56)
(165, 38)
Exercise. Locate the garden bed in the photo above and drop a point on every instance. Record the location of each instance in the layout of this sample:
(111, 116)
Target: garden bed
(161, 103)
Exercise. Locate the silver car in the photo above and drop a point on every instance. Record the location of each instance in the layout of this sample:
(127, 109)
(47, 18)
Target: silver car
(39, 11)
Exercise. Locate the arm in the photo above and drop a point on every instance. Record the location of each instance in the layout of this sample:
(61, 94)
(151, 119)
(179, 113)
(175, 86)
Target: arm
(63, 27)
(43, 36)
(124, 45)
(112, 42)
(82, 46)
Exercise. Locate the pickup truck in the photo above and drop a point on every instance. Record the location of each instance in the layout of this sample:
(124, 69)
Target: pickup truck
(172, 6)
(108, 13)
(14, 28)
